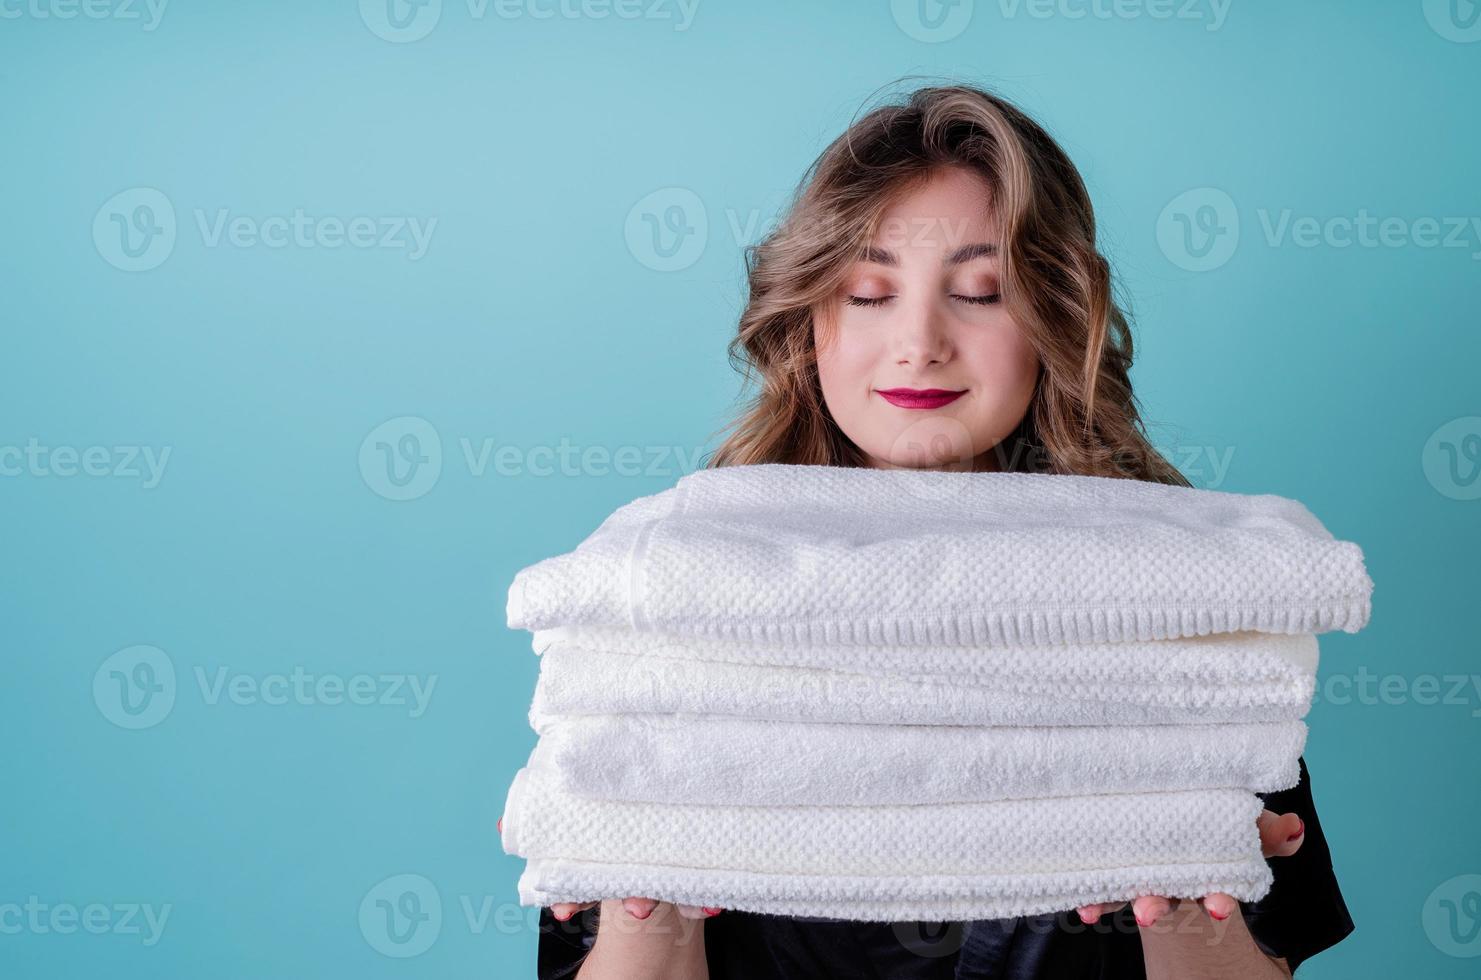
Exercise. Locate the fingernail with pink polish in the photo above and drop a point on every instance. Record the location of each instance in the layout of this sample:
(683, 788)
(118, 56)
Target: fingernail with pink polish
(707, 910)
(1300, 829)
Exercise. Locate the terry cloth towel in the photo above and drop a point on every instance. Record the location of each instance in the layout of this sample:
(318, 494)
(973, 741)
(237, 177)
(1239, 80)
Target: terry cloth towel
(737, 761)
(828, 554)
(1108, 843)
(587, 682)
(1245, 667)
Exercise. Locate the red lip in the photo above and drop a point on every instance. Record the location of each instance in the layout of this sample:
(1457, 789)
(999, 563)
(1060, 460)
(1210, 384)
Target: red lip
(919, 397)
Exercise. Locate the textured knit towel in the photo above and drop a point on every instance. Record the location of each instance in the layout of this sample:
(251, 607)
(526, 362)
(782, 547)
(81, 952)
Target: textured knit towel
(1109, 840)
(587, 682)
(828, 554)
(901, 898)
(738, 761)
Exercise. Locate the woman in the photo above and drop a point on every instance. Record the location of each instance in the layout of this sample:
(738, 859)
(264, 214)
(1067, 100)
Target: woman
(935, 299)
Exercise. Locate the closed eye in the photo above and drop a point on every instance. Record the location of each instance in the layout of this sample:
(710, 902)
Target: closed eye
(986, 300)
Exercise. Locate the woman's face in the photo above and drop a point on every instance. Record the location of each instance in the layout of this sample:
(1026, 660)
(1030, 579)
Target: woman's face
(921, 316)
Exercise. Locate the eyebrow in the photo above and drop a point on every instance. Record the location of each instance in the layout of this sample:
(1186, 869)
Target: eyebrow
(966, 253)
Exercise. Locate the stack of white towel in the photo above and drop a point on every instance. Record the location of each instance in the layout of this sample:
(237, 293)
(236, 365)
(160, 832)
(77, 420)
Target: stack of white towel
(900, 695)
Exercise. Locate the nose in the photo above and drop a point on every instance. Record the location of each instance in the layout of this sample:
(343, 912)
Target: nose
(921, 336)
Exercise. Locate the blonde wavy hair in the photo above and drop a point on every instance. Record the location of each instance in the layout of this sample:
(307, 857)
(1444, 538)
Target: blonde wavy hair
(1084, 417)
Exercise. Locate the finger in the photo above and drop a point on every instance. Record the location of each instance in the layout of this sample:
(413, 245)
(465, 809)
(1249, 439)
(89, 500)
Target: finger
(639, 908)
(564, 910)
(1149, 908)
(1281, 834)
(697, 911)
(1090, 914)
(1219, 906)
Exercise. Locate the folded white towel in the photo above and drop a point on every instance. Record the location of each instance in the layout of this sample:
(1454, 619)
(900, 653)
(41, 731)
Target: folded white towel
(739, 761)
(827, 554)
(901, 898)
(1110, 839)
(1246, 666)
(587, 682)
(1077, 833)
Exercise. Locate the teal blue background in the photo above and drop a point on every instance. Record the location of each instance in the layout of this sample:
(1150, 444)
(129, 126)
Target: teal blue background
(1319, 373)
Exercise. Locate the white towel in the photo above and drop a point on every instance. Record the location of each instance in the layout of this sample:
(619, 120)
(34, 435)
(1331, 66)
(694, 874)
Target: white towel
(1246, 667)
(587, 682)
(1109, 840)
(903, 898)
(738, 761)
(827, 554)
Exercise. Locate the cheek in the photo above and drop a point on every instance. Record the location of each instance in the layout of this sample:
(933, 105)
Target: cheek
(1004, 362)
(846, 361)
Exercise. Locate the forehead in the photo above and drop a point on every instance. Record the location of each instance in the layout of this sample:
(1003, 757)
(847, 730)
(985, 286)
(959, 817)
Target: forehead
(951, 208)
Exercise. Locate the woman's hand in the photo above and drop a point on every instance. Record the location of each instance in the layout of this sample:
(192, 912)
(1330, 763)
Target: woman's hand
(1280, 836)
(643, 939)
(638, 908)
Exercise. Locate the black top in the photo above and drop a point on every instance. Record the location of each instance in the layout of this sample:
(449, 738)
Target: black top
(1302, 914)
